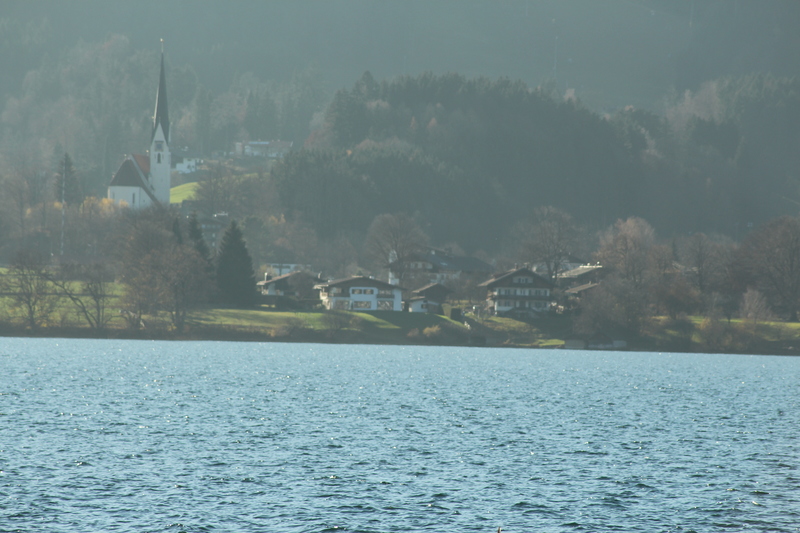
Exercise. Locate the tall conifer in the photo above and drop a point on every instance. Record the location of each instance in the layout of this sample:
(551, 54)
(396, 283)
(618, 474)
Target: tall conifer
(236, 279)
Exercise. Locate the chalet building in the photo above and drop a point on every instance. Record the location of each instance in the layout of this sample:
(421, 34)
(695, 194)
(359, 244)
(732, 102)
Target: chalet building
(564, 264)
(437, 266)
(360, 293)
(579, 282)
(518, 292)
(581, 275)
(292, 290)
(428, 299)
(144, 180)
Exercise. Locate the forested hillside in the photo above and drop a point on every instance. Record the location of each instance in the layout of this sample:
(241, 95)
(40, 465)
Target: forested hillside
(684, 113)
(471, 157)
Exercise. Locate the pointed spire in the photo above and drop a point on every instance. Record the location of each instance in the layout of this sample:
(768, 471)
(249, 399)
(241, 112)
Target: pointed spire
(162, 115)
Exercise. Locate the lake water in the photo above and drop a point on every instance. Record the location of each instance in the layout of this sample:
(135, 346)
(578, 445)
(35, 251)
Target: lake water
(210, 436)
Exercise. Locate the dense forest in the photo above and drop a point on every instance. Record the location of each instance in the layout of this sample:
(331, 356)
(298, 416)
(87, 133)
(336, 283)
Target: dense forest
(473, 157)
(685, 114)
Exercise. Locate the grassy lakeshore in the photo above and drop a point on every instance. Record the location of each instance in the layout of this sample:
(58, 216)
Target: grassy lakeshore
(264, 324)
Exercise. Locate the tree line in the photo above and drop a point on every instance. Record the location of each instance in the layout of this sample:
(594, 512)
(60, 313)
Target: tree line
(160, 261)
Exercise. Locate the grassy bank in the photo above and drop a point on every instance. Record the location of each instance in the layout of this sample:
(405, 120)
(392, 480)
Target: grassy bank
(689, 334)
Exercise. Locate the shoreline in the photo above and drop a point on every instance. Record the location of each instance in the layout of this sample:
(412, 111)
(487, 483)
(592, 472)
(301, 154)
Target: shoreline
(351, 337)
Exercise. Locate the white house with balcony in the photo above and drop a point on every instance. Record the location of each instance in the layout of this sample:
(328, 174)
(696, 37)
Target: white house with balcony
(360, 293)
(520, 291)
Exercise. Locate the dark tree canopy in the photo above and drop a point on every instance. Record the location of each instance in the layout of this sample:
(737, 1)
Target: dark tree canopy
(236, 278)
(67, 187)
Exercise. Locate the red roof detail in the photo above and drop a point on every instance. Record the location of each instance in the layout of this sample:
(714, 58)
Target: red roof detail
(143, 162)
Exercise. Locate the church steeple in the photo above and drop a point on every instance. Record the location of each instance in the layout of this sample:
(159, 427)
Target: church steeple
(160, 158)
(161, 116)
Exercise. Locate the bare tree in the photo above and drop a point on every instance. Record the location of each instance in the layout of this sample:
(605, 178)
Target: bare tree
(770, 257)
(615, 305)
(624, 247)
(160, 273)
(394, 240)
(27, 284)
(89, 294)
(549, 237)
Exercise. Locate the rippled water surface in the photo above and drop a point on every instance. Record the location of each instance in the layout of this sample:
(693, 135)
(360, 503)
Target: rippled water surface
(205, 436)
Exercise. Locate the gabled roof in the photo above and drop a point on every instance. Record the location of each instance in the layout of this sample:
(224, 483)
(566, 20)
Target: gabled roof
(129, 174)
(161, 115)
(580, 289)
(358, 281)
(580, 271)
(507, 279)
(286, 277)
(143, 162)
(432, 289)
(441, 260)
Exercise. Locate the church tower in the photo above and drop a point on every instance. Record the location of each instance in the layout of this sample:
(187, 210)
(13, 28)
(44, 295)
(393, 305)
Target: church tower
(143, 180)
(160, 157)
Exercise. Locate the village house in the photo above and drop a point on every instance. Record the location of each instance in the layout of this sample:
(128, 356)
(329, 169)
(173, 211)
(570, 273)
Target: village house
(566, 263)
(578, 282)
(268, 149)
(295, 289)
(428, 299)
(519, 291)
(436, 266)
(360, 293)
(581, 275)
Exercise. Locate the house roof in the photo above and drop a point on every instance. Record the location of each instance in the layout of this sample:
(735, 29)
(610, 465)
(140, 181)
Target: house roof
(143, 162)
(432, 289)
(358, 281)
(129, 174)
(507, 278)
(441, 260)
(580, 271)
(285, 278)
(581, 288)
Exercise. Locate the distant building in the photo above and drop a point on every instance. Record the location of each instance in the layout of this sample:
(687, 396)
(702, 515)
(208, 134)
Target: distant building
(360, 293)
(268, 149)
(428, 299)
(520, 291)
(144, 180)
(292, 290)
(436, 266)
(214, 228)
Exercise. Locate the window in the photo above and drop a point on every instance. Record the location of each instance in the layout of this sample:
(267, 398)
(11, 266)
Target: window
(385, 293)
(341, 304)
(362, 305)
(159, 158)
(369, 291)
(355, 291)
(385, 305)
(159, 148)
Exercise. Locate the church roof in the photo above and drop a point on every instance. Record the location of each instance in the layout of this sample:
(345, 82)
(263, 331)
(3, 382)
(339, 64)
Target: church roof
(129, 174)
(161, 115)
(143, 162)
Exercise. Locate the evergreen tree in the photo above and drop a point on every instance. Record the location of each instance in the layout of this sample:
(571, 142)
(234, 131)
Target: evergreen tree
(67, 186)
(176, 231)
(236, 279)
(196, 237)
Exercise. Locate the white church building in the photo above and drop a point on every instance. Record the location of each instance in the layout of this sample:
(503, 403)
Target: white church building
(144, 180)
